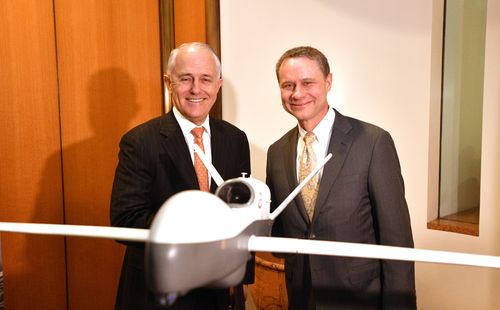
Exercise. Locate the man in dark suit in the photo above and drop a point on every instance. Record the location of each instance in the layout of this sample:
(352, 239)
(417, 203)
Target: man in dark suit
(358, 197)
(156, 162)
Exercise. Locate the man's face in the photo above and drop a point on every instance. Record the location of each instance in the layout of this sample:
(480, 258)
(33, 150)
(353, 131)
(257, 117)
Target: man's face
(304, 90)
(194, 83)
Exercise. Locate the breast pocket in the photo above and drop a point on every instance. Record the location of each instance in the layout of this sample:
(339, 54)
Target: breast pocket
(343, 199)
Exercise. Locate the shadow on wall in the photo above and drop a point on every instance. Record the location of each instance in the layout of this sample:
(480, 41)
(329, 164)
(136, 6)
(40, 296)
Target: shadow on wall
(88, 165)
(89, 162)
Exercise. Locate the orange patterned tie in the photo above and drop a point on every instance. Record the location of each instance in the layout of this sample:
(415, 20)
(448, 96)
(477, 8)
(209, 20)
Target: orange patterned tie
(307, 162)
(199, 167)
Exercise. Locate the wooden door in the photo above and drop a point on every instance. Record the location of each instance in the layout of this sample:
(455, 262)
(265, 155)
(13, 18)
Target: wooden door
(110, 81)
(30, 159)
(75, 76)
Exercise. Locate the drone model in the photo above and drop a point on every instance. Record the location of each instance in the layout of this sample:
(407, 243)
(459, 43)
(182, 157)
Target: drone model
(185, 252)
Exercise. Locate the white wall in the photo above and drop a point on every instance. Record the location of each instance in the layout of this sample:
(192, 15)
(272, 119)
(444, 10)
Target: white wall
(385, 60)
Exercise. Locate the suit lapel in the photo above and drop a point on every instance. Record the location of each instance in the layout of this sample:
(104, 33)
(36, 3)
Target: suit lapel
(290, 155)
(340, 143)
(176, 148)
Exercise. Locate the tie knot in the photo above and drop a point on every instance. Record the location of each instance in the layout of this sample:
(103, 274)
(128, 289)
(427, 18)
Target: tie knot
(309, 138)
(198, 132)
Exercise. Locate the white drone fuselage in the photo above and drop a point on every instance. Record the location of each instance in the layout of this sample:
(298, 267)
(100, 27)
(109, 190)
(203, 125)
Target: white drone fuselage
(211, 247)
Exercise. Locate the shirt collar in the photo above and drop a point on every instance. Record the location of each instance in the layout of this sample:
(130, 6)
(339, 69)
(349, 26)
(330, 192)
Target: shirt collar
(186, 125)
(323, 130)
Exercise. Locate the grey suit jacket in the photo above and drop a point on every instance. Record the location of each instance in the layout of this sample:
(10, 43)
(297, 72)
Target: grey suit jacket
(154, 164)
(360, 199)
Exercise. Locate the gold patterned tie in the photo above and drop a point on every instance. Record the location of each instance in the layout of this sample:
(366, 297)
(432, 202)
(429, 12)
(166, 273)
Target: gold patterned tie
(307, 162)
(199, 167)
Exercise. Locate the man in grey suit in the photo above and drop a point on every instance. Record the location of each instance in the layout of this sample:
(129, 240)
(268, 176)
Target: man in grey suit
(359, 196)
(156, 161)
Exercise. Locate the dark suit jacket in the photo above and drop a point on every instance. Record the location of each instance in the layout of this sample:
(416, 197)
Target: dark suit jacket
(154, 164)
(360, 199)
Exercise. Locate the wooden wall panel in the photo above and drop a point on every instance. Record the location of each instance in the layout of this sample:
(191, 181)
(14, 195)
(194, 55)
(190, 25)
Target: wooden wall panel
(199, 20)
(110, 80)
(30, 165)
(189, 21)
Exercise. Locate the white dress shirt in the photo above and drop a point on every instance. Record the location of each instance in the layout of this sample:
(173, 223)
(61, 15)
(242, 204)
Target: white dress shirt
(323, 132)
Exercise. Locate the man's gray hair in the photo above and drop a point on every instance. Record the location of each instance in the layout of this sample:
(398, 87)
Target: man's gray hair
(195, 45)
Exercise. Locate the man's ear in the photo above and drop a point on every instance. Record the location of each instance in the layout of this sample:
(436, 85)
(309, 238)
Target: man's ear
(329, 82)
(167, 81)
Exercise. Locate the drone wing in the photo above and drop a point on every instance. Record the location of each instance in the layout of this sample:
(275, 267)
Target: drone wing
(334, 248)
(105, 232)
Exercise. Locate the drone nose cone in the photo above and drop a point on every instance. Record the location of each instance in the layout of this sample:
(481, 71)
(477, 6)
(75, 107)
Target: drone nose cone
(193, 216)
